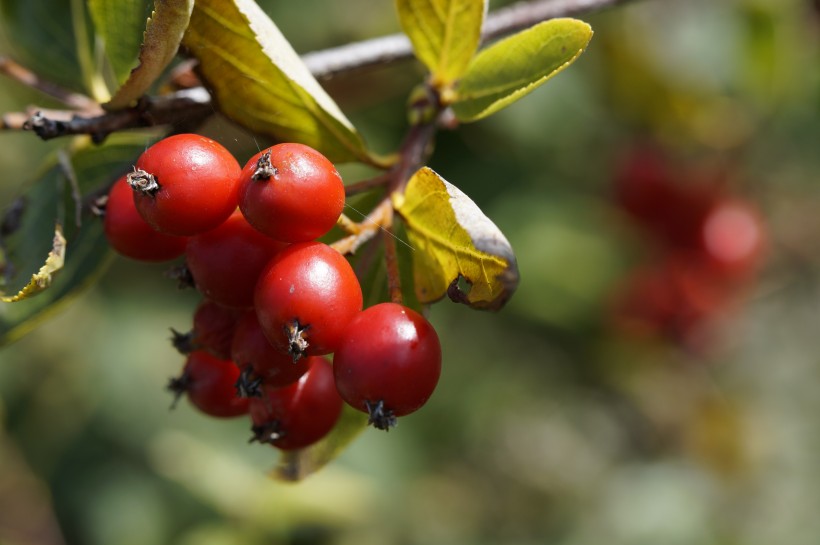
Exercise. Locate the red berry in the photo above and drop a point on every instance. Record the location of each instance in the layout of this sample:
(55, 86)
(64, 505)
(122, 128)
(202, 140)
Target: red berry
(291, 192)
(213, 331)
(305, 298)
(130, 235)
(209, 384)
(259, 361)
(226, 262)
(388, 363)
(300, 414)
(185, 184)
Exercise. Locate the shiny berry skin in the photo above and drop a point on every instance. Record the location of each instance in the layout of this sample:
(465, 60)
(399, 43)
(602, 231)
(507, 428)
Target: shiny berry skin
(291, 192)
(213, 330)
(185, 184)
(209, 384)
(226, 262)
(306, 297)
(130, 235)
(388, 363)
(300, 414)
(268, 366)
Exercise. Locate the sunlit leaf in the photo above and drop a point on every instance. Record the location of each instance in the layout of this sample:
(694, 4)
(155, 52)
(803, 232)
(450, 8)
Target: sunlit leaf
(444, 33)
(29, 226)
(119, 25)
(43, 278)
(512, 68)
(161, 40)
(260, 82)
(298, 464)
(458, 251)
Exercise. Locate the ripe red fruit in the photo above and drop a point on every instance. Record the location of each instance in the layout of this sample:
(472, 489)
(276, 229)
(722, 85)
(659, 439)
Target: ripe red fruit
(388, 363)
(213, 331)
(291, 192)
(209, 385)
(130, 235)
(185, 184)
(259, 361)
(225, 262)
(300, 414)
(306, 297)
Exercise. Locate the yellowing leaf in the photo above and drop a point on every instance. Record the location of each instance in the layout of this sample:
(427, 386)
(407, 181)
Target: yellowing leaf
(512, 68)
(444, 33)
(455, 242)
(261, 83)
(43, 278)
(161, 40)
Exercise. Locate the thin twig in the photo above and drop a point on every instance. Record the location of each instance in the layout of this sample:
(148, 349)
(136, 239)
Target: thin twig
(28, 78)
(348, 225)
(179, 106)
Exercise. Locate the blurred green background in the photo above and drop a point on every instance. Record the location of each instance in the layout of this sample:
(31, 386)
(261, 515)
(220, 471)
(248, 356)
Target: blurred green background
(549, 424)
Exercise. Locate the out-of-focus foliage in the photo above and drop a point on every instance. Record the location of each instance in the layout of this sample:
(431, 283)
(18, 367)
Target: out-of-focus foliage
(549, 425)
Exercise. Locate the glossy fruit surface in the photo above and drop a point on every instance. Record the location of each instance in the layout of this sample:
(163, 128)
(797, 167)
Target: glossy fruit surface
(209, 384)
(185, 184)
(226, 262)
(252, 348)
(389, 360)
(306, 297)
(291, 192)
(300, 414)
(130, 235)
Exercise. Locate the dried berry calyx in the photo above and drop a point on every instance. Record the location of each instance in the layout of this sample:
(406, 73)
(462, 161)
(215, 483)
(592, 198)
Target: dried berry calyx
(264, 168)
(248, 384)
(297, 343)
(379, 417)
(143, 181)
(266, 433)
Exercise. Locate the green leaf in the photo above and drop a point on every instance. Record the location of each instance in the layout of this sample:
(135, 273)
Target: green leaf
(261, 83)
(119, 25)
(297, 464)
(445, 33)
(458, 251)
(163, 34)
(27, 233)
(512, 68)
(42, 38)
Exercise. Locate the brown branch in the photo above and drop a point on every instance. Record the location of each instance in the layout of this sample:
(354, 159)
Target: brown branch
(166, 109)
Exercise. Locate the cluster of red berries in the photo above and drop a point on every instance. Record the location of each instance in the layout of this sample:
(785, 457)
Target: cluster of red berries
(710, 245)
(276, 301)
